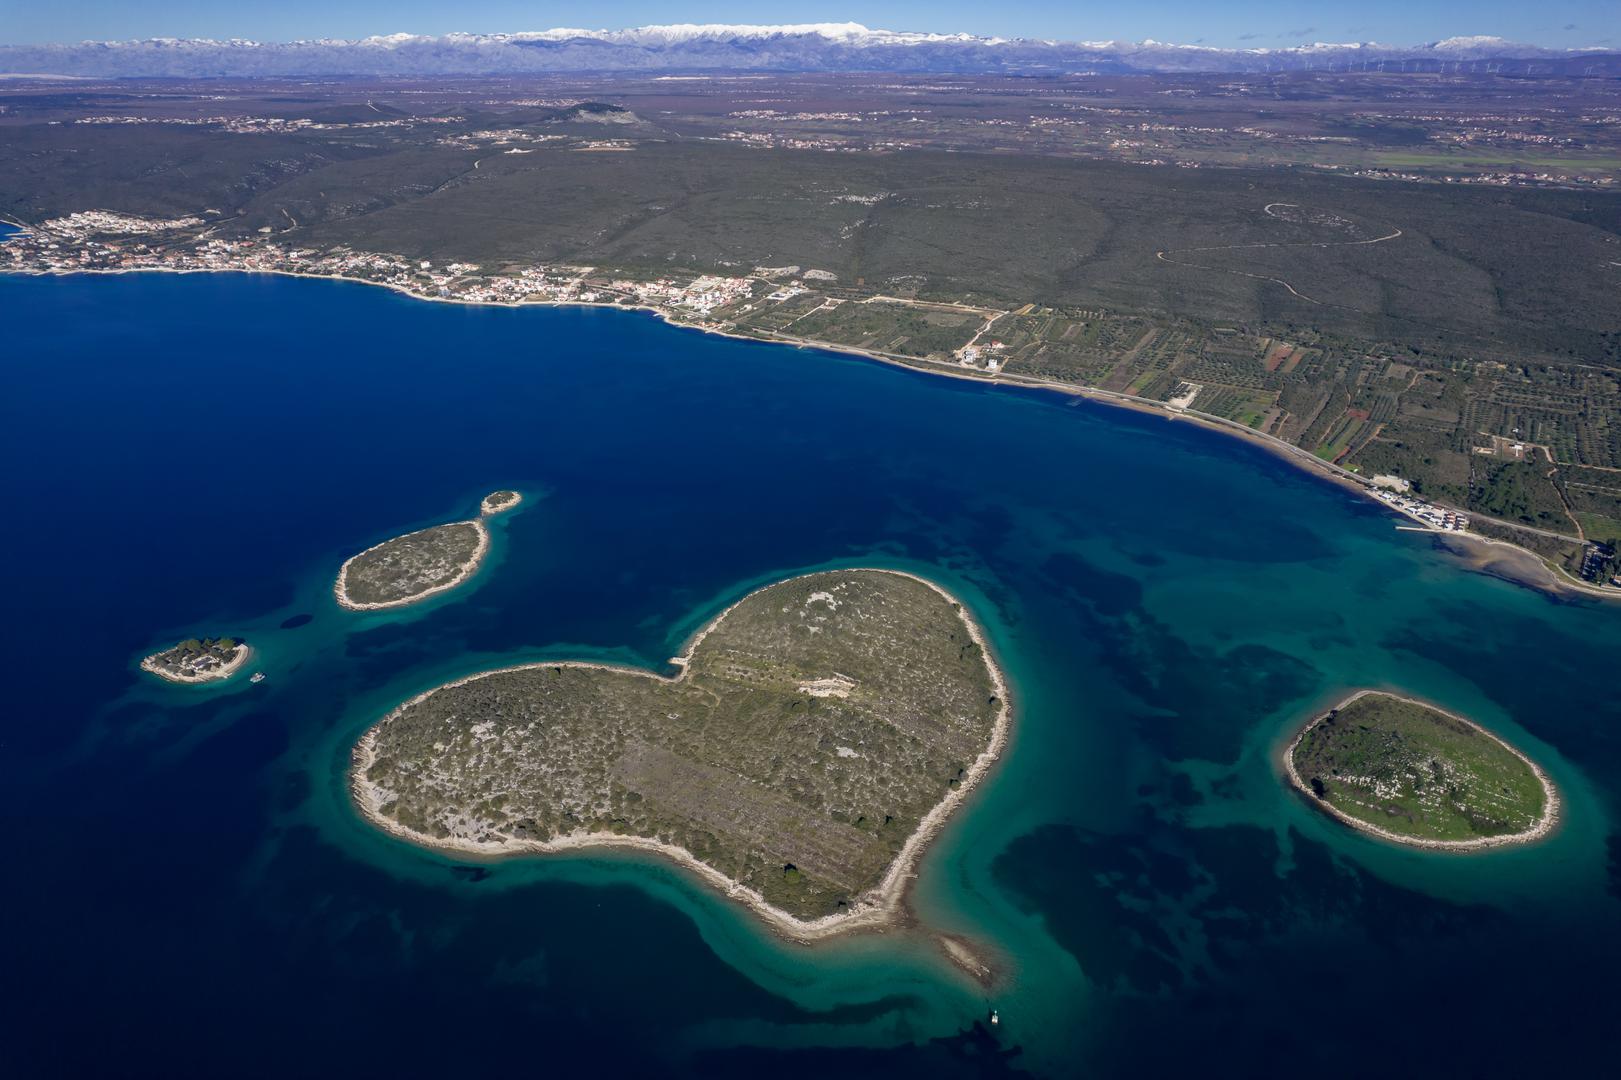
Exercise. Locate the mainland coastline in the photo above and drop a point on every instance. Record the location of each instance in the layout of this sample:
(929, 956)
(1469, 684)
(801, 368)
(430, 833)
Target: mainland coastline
(1495, 557)
(1544, 826)
(883, 907)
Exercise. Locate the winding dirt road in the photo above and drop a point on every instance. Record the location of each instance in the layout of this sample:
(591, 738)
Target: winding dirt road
(1163, 256)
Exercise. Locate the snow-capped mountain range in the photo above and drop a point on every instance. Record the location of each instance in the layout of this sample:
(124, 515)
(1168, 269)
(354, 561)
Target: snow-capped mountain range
(806, 47)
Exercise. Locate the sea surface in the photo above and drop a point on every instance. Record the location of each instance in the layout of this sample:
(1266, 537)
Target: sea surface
(189, 892)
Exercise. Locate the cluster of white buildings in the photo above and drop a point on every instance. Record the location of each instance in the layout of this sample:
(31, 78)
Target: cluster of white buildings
(490, 138)
(775, 114)
(768, 140)
(262, 125)
(87, 223)
(1436, 517)
(101, 240)
(707, 293)
(988, 356)
(1496, 179)
(1493, 136)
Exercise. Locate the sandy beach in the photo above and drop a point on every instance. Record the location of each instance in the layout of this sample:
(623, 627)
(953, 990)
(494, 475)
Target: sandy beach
(462, 574)
(1511, 562)
(1544, 826)
(882, 907)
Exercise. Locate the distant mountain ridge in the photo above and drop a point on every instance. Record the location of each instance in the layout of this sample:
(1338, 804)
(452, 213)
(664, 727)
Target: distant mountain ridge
(804, 47)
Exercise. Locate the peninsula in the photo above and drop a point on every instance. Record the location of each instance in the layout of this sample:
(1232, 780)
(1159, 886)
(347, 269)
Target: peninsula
(1409, 772)
(816, 736)
(419, 564)
(198, 660)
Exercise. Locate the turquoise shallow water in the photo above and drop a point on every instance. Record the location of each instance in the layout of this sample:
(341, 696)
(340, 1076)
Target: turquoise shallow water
(198, 454)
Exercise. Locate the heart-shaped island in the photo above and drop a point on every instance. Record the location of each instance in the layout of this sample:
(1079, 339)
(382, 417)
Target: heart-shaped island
(819, 732)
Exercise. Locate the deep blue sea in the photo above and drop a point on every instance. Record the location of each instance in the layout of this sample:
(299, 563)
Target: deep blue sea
(189, 893)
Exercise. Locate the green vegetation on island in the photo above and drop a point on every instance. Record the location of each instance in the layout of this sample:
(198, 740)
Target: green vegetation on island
(412, 567)
(497, 501)
(818, 732)
(198, 660)
(419, 564)
(1412, 773)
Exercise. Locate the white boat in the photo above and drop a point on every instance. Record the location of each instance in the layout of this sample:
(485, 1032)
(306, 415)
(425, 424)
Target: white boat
(257, 677)
(996, 1018)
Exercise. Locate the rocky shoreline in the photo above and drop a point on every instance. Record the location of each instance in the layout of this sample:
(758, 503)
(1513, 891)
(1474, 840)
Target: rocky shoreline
(1543, 827)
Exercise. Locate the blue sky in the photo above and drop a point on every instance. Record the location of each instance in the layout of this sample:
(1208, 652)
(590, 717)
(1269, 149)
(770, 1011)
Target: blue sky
(1212, 22)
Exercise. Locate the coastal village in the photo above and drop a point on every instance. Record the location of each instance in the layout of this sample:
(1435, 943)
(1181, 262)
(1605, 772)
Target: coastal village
(1435, 517)
(99, 240)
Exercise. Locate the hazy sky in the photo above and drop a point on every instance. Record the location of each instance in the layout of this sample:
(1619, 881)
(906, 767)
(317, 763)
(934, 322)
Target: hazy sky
(1244, 23)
